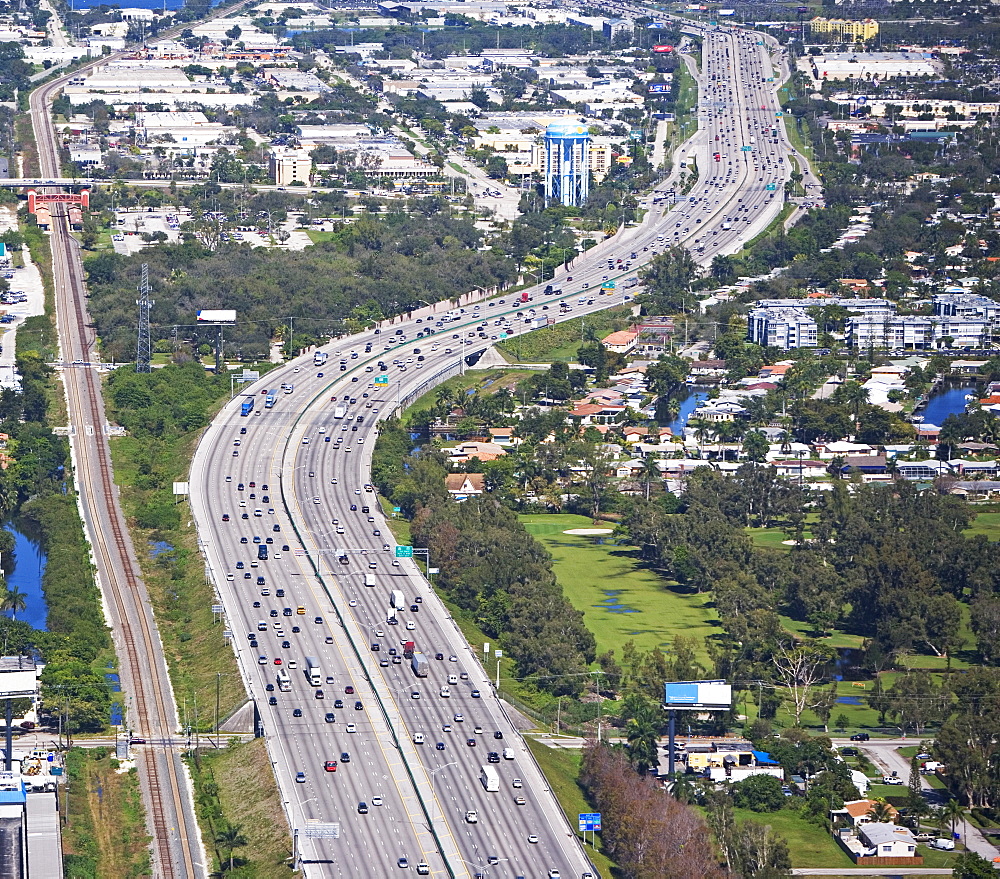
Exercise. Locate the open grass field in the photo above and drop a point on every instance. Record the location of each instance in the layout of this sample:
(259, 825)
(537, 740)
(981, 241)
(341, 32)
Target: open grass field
(809, 844)
(561, 768)
(561, 341)
(621, 600)
(488, 381)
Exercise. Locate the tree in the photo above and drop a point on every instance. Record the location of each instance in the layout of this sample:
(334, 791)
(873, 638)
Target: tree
(230, 837)
(759, 852)
(853, 395)
(969, 865)
(914, 782)
(649, 473)
(642, 731)
(881, 811)
(13, 600)
(756, 446)
(760, 793)
(800, 667)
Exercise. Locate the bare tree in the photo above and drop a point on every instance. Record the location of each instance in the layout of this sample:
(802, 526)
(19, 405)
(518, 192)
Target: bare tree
(800, 667)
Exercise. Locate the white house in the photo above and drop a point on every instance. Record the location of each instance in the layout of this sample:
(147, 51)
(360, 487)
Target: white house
(888, 840)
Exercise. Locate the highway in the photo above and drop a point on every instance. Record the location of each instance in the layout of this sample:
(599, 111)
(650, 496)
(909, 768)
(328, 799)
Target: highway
(315, 467)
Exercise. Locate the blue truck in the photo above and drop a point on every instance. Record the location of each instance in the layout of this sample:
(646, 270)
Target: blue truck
(246, 407)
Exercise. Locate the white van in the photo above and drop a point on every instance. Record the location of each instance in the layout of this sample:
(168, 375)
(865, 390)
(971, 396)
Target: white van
(508, 753)
(453, 679)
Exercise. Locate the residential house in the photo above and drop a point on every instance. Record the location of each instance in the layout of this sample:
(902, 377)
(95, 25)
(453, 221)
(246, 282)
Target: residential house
(921, 470)
(596, 413)
(465, 452)
(888, 840)
(856, 812)
(705, 369)
(503, 436)
(830, 450)
(869, 464)
(465, 485)
(970, 469)
(795, 468)
(622, 342)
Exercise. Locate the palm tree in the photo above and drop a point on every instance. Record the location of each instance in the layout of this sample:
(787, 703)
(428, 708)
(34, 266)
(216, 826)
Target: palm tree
(13, 600)
(881, 811)
(853, 395)
(953, 812)
(230, 837)
(643, 733)
(649, 473)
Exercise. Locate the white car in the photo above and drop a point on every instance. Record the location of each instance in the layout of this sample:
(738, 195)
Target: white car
(352, 728)
(376, 801)
(445, 693)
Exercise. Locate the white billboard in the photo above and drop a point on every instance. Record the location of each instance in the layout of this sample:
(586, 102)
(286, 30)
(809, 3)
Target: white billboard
(217, 316)
(698, 695)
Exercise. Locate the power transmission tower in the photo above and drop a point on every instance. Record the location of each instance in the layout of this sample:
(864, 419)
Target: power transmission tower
(143, 352)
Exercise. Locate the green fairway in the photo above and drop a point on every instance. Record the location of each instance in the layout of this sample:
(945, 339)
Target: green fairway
(988, 524)
(621, 600)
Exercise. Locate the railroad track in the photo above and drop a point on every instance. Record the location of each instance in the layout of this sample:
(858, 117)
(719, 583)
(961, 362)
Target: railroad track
(143, 670)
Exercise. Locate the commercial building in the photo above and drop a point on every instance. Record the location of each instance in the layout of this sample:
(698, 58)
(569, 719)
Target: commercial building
(567, 164)
(290, 166)
(844, 30)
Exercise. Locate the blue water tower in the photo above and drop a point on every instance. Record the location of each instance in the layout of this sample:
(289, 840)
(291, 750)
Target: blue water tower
(567, 163)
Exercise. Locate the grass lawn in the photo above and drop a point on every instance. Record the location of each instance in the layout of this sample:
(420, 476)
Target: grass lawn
(620, 599)
(808, 844)
(317, 236)
(769, 538)
(561, 768)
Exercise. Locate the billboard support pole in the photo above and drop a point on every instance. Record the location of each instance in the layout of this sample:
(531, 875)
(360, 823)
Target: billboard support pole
(671, 732)
(9, 756)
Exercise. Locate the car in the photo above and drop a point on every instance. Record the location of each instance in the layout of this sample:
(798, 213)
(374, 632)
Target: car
(459, 718)
(349, 690)
(453, 658)
(497, 734)
(517, 782)
(440, 746)
(358, 706)
(415, 694)
(272, 700)
(225, 517)
(300, 778)
(446, 727)
(439, 656)
(330, 717)
(319, 694)
(318, 620)
(493, 757)
(532, 838)
(297, 712)
(471, 743)
(352, 727)
(520, 801)
(403, 863)
(330, 765)
(376, 800)
(362, 808)
(345, 757)
(476, 694)
(860, 737)
(892, 779)
(554, 874)
(423, 869)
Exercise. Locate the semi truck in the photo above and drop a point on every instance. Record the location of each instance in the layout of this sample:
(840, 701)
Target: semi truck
(396, 599)
(319, 358)
(408, 649)
(270, 400)
(287, 387)
(313, 674)
(419, 664)
(490, 778)
(246, 407)
(340, 412)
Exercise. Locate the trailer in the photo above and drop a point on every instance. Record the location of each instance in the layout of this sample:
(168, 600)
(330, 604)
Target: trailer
(419, 664)
(246, 407)
(313, 673)
(490, 778)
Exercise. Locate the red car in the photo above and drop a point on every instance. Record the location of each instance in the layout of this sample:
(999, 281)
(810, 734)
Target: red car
(225, 517)
(330, 766)
(277, 660)
(349, 690)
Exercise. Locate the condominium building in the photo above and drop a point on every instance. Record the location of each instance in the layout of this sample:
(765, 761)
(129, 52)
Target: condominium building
(781, 328)
(844, 30)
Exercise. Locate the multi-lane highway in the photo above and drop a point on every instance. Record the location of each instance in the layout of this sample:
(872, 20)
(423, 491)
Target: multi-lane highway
(296, 474)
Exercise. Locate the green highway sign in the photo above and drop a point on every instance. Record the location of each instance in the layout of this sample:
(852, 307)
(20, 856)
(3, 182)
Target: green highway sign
(503, 335)
(779, 114)
(381, 379)
(771, 187)
(746, 149)
(404, 552)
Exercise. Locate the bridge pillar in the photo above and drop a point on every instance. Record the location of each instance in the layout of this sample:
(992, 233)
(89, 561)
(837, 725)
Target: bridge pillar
(31, 201)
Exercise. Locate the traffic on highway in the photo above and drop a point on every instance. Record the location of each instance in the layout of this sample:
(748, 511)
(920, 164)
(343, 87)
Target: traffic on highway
(391, 748)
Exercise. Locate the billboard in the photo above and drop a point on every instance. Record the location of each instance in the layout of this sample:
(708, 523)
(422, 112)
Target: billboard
(660, 88)
(727, 12)
(663, 49)
(698, 695)
(217, 316)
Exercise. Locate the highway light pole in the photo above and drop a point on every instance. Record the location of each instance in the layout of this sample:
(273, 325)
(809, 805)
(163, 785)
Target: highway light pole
(432, 773)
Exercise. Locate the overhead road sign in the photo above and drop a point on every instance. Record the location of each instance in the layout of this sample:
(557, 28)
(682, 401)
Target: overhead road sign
(404, 552)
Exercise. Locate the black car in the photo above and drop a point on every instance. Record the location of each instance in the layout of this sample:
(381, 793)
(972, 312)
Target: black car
(345, 757)
(339, 703)
(297, 712)
(358, 706)
(860, 737)
(498, 735)
(273, 700)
